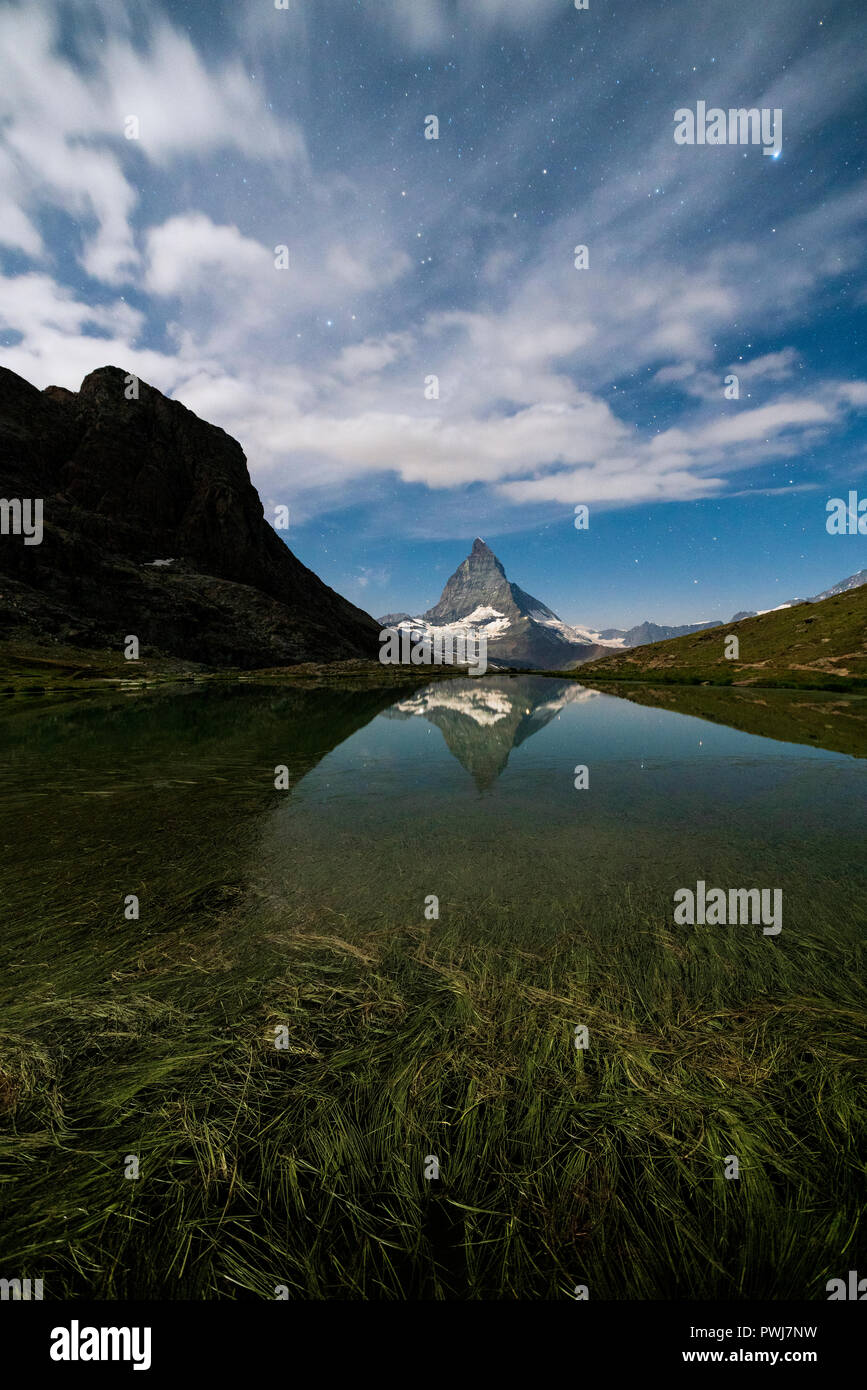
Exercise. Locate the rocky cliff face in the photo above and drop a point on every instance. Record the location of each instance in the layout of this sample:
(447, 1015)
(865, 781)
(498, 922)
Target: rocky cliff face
(126, 483)
(479, 581)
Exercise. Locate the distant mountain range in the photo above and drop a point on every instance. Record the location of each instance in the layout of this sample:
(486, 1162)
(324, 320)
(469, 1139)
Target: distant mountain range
(853, 582)
(479, 601)
(821, 644)
(643, 633)
(646, 633)
(153, 528)
(844, 587)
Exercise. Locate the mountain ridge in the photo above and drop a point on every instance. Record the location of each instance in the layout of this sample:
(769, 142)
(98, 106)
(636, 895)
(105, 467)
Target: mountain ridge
(643, 633)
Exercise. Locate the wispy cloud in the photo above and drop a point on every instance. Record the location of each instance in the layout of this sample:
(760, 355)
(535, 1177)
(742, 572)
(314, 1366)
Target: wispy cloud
(411, 259)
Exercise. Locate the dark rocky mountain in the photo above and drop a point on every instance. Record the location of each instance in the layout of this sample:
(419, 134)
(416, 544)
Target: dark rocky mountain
(520, 630)
(476, 583)
(152, 527)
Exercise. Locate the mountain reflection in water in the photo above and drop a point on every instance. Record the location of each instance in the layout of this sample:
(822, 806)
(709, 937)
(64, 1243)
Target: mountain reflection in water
(482, 722)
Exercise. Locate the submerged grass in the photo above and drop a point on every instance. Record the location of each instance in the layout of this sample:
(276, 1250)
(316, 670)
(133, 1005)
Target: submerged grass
(304, 1167)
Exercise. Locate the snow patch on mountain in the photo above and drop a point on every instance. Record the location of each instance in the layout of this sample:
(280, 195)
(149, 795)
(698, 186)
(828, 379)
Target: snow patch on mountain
(577, 695)
(483, 621)
(587, 634)
(484, 706)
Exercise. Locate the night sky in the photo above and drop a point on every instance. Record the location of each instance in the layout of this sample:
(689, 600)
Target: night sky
(454, 257)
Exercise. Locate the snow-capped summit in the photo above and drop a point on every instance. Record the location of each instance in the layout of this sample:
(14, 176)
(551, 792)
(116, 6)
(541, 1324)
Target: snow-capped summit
(480, 601)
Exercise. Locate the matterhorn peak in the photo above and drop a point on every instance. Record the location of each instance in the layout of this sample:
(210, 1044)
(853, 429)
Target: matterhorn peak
(520, 630)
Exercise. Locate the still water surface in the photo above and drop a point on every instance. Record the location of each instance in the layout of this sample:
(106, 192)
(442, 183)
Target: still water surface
(463, 789)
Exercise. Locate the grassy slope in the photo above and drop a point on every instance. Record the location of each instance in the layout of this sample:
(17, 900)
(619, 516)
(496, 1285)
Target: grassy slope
(816, 645)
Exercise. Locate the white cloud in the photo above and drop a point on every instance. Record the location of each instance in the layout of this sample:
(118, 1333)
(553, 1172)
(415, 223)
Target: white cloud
(187, 254)
(527, 350)
(63, 337)
(372, 355)
(17, 230)
(34, 302)
(184, 108)
(425, 25)
(624, 485)
(364, 268)
(63, 130)
(773, 366)
(750, 425)
(443, 453)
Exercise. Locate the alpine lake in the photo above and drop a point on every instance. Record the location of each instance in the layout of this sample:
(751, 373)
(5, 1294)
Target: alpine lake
(340, 992)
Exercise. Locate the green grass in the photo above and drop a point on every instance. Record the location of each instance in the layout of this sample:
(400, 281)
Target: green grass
(30, 669)
(558, 1167)
(818, 646)
(305, 1167)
